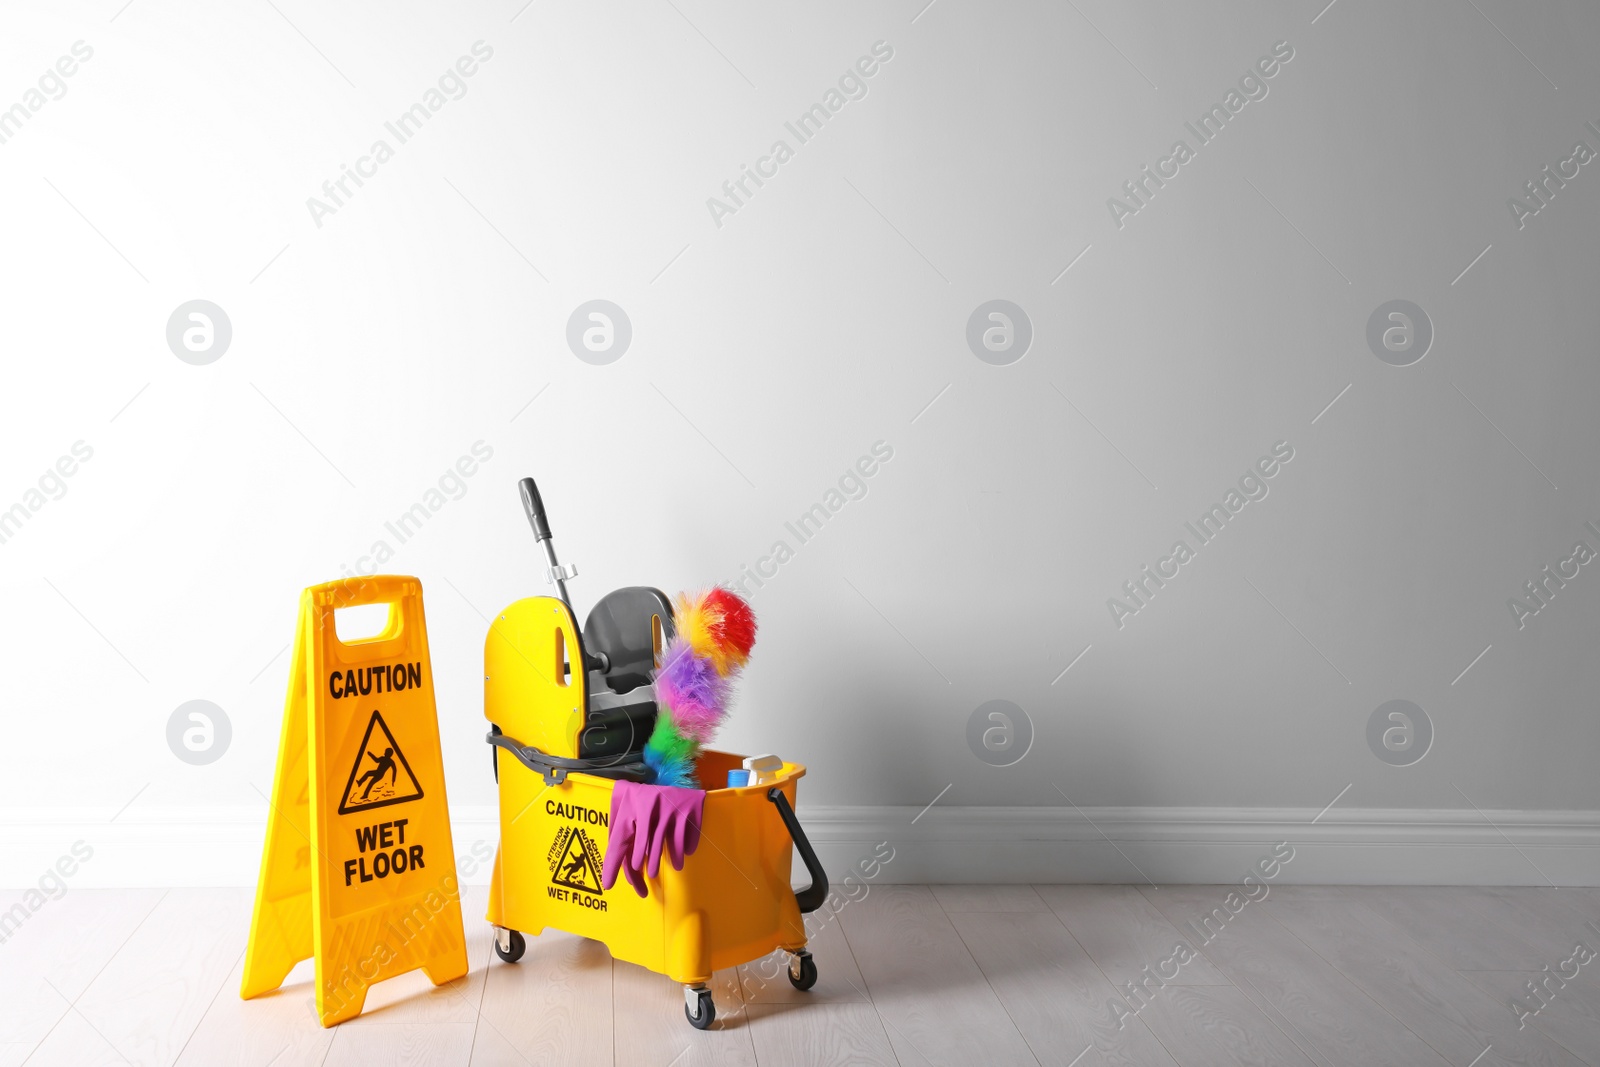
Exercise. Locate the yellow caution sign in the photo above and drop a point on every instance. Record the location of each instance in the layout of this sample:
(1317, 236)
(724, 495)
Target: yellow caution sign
(358, 869)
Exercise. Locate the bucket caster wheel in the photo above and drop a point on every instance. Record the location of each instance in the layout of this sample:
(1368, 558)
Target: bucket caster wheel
(697, 1006)
(509, 945)
(803, 970)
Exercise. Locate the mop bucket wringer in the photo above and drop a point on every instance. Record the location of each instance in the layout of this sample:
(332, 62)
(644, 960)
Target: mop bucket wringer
(569, 712)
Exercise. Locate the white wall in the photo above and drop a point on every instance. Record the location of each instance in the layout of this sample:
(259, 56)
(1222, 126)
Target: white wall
(771, 352)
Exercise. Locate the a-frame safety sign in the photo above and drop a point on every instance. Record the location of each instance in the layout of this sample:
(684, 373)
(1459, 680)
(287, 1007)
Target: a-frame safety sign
(358, 870)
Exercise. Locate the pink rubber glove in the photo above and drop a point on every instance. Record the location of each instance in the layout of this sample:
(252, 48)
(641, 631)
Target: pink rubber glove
(647, 821)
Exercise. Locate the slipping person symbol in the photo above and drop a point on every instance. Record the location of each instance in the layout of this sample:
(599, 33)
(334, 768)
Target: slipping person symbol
(385, 776)
(385, 766)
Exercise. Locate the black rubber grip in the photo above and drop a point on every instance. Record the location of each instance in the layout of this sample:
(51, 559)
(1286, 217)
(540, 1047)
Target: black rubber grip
(535, 509)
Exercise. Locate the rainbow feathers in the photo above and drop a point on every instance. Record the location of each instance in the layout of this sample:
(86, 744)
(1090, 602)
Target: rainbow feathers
(715, 632)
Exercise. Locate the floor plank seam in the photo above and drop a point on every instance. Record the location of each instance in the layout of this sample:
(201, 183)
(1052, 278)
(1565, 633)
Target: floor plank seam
(1384, 920)
(883, 1022)
(1357, 984)
(1298, 1039)
(1336, 969)
(472, 1046)
(995, 992)
(1588, 1059)
(209, 1005)
(867, 995)
(1316, 1058)
(96, 977)
(1106, 978)
(1463, 971)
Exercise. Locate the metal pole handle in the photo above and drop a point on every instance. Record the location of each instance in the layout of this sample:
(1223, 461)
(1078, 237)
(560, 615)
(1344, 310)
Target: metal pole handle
(533, 506)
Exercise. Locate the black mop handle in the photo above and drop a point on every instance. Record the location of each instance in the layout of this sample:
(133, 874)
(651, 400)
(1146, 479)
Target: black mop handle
(558, 575)
(534, 506)
(541, 533)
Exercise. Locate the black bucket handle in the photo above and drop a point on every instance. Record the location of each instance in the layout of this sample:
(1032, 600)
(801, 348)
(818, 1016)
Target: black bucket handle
(811, 897)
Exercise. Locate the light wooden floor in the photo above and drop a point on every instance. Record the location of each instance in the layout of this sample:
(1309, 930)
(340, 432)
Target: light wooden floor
(968, 975)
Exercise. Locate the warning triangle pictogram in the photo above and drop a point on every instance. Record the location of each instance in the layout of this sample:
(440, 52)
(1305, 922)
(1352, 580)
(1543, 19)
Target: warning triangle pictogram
(576, 870)
(380, 775)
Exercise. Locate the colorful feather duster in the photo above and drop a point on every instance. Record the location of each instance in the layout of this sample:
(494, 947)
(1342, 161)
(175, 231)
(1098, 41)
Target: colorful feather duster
(694, 684)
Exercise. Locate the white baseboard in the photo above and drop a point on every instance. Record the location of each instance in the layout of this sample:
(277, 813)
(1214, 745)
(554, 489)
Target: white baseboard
(1175, 846)
(222, 846)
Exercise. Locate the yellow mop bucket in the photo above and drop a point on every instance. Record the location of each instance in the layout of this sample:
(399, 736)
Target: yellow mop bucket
(570, 710)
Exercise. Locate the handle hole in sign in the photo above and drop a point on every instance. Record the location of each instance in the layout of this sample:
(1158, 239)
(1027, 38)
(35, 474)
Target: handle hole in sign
(364, 622)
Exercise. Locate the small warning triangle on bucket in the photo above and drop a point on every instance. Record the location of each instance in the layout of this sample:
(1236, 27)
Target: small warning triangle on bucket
(576, 868)
(380, 774)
